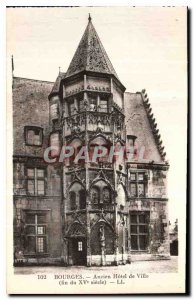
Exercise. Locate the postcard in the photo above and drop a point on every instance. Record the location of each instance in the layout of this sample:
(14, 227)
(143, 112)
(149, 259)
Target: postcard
(97, 135)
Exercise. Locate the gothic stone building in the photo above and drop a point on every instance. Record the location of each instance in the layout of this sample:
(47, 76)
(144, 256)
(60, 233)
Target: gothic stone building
(87, 213)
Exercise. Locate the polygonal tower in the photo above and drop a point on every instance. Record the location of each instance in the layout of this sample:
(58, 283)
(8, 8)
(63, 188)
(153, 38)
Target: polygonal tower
(87, 110)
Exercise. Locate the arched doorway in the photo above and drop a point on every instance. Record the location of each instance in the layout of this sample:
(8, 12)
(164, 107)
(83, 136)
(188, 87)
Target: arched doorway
(77, 245)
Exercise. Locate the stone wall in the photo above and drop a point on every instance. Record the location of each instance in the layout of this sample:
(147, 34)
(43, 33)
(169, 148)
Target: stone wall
(30, 107)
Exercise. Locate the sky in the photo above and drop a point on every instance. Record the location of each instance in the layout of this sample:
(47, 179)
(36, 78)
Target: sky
(148, 49)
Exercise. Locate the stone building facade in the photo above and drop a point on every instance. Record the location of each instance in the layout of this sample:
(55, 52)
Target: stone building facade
(87, 212)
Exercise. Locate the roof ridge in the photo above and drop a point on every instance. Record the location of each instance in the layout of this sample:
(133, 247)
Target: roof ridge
(32, 79)
(87, 56)
(105, 53)
(75, 53)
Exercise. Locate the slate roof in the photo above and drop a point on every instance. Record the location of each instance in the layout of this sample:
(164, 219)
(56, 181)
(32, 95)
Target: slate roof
(140, 122)
(90, 55)
(56, 85)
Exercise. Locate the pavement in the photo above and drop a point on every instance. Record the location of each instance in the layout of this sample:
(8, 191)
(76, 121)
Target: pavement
(157, 266)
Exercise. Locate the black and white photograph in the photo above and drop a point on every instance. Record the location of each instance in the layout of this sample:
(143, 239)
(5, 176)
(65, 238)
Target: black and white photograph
(97, 112)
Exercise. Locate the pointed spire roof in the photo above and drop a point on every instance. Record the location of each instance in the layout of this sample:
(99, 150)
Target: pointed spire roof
(90, 54)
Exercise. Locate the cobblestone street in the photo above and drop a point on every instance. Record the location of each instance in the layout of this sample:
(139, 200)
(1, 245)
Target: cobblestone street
(161, 266)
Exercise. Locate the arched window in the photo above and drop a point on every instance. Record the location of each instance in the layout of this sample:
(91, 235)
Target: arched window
(106, 195)
(72, 196)
(102, 142)
(77, 196)
(100, 193)
(102, 185)
(82, 199)
(95, 195)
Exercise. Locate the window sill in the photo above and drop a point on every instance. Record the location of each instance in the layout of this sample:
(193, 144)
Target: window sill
(36, 254)
(33, 145)
(138, 198)
(37, 195)
(139, 251)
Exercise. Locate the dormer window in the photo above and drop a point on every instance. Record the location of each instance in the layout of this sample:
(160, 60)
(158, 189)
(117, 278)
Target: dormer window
(33, 135)
(131, 140)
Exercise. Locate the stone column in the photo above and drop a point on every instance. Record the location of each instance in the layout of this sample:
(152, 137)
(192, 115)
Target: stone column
(87, 200)
(85, 82)
(123, 247)
(88, 237)
(129, 238)
(65, 251)
(102, 245)
(116, 237)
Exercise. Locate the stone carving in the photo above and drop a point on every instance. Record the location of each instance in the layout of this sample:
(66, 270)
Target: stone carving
(102, 176)
(76, 229)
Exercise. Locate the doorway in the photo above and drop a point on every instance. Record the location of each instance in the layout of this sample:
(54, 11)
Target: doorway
(78, 251)
(174, 248)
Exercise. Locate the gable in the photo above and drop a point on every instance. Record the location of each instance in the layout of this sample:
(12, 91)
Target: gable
(141, 123)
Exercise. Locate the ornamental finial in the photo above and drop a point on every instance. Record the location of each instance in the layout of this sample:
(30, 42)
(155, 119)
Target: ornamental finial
(89, 18)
